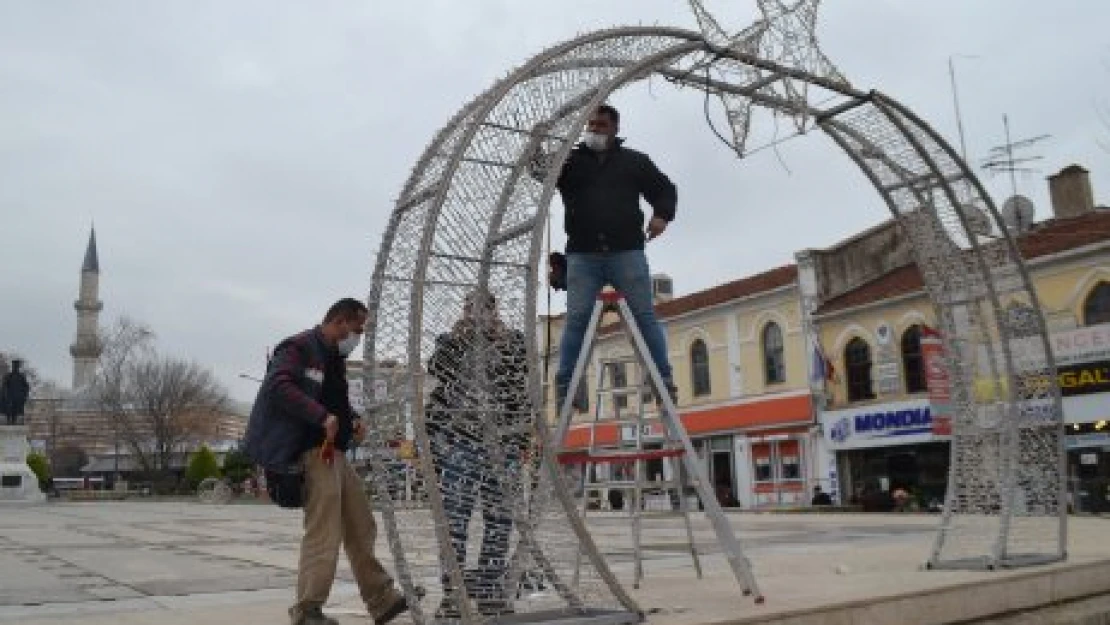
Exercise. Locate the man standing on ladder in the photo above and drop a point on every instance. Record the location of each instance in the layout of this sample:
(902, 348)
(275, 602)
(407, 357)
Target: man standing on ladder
(601, 184)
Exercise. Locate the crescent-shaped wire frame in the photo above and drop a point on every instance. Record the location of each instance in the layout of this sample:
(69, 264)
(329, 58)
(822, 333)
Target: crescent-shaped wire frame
(471, 218)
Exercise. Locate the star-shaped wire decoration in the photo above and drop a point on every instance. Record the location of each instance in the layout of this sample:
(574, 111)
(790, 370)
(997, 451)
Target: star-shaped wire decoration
(785, 35)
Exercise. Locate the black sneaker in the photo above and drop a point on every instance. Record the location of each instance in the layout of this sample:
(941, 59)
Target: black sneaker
(448, 609)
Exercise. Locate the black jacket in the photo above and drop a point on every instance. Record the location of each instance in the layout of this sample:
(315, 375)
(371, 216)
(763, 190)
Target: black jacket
(601, 194)
(504, 355)
(305, 381)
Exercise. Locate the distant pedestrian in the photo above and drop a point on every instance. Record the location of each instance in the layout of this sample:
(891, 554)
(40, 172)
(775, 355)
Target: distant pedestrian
(820, 497)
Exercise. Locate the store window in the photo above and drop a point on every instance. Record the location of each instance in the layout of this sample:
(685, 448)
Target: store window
(763, 471)
(857, 361)
(774, 363)
(1096, 309)
(791, 467)
(912, 368)
(699, 368)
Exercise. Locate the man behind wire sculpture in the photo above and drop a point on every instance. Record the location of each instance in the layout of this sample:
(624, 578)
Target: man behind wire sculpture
(479, 419)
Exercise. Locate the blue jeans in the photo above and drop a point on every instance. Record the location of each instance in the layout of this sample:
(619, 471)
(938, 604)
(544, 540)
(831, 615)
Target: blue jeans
(467, 474)
(627, 272)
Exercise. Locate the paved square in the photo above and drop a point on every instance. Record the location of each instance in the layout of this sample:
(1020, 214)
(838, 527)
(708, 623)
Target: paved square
(183, 562)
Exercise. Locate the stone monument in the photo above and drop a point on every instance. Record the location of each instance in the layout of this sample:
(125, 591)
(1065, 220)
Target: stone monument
(17, 481)
(14, 390)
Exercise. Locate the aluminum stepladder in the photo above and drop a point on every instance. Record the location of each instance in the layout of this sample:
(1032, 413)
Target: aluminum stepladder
(633, 426)
(673, 430)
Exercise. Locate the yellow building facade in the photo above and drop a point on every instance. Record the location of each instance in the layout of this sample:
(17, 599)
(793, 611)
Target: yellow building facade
(739, 361)
(873, 404)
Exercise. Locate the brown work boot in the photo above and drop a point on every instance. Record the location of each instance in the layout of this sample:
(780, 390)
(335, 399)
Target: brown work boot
(309, 614)
(396, 607)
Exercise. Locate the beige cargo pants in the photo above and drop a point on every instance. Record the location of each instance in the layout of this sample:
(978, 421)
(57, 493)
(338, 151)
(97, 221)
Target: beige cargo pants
(337, 510)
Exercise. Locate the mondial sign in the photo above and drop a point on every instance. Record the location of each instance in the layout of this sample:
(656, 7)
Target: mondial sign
(897, 423)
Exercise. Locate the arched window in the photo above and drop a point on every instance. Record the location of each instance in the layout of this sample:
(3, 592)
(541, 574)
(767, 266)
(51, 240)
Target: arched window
(774, 365)
(618, 378)
(582, 396)
(857, 363)
(699, 368)
(1097, 307)
(912, 367)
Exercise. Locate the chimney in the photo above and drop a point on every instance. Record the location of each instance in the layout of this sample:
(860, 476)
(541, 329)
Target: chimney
(662, 288)
(1071, 193)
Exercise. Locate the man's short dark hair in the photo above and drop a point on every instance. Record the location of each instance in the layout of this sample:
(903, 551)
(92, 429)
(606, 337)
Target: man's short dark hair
(612, 112)
(481, 296)
(345, 309)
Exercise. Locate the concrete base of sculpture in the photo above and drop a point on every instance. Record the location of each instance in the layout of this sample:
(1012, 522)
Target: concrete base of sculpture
(18, 483)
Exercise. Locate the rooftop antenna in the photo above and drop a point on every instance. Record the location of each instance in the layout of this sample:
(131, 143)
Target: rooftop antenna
(956, 100)
(1001, 159)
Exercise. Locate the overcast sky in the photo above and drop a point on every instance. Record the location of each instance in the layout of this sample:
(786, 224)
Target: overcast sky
(240, 159)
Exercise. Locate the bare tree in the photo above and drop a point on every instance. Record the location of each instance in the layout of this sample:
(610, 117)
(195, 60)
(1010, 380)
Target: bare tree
(122, 343)
(172, 403)
(158, 405)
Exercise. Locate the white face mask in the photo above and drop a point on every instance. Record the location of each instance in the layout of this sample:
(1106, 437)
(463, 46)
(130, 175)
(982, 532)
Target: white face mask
(348, 345)
(595, 141)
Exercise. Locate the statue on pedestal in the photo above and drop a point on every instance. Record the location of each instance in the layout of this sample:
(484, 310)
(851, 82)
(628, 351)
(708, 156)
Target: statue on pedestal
(14, 390)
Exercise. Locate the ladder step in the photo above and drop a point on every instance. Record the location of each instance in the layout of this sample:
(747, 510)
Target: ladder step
(620, 390)
(619, 360)
(633, 420)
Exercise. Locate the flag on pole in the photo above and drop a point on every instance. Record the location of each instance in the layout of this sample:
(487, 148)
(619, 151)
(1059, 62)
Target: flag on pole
(823, 370)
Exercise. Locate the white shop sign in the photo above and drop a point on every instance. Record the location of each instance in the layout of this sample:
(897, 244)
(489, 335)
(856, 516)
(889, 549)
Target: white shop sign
(1081, 345)
(880, 425)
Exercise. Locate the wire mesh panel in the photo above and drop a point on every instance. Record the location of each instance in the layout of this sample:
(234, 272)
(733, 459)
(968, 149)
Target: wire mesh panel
(451, 350)
(1005, 504)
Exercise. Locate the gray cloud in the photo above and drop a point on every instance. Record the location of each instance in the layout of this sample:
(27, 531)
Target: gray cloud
(240, 159)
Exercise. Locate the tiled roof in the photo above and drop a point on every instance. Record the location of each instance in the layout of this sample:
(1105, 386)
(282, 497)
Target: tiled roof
(744, 287)
(1050, 237)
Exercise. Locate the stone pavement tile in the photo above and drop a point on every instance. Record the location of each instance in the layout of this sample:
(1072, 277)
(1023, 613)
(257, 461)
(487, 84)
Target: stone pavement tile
(53, 536)
(801, 564)
(170, 572)
(278, 556)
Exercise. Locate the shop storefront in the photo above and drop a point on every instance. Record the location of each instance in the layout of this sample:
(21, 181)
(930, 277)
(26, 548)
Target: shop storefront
(1083, 365)
(754, 453)
(881, 448)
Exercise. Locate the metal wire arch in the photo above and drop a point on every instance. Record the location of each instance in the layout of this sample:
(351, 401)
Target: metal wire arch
(463, 128)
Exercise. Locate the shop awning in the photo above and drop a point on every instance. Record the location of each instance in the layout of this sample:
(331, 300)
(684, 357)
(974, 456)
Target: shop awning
(768, 413)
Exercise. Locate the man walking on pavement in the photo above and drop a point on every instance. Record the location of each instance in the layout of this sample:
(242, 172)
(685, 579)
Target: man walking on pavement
(601, 184)
(303, 416)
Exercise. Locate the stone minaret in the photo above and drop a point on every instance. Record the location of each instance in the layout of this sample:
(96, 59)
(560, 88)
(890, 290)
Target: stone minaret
(86, 348)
